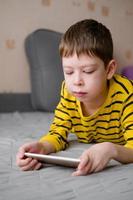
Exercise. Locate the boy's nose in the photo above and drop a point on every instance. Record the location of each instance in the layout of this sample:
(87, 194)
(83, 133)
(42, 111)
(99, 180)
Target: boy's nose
(78, 80)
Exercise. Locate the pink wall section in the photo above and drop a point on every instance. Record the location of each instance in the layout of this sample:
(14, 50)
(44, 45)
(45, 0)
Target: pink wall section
(18, 18)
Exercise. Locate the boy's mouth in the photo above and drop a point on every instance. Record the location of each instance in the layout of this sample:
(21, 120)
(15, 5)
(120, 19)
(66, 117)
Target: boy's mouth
(79, 94)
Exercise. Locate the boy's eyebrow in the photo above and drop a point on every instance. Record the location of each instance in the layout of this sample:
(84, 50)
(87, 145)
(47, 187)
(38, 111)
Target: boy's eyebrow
(90, 65)
(82, 66)
(67, 66)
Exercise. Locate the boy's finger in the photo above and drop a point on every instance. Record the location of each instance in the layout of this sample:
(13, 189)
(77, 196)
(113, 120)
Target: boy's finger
(37, 166)
(25, 148)
(23, 162)
(79, 173)
(21, 151)
(84, 161)
(29, 166)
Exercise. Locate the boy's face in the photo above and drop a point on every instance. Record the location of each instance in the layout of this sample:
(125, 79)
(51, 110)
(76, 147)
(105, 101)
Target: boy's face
(85, 77)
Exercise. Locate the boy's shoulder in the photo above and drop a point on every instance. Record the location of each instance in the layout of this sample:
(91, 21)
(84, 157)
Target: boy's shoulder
(65, 94)
(122, 84)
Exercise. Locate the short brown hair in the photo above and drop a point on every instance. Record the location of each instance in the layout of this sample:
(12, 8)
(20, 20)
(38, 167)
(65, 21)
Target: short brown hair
(87, 37)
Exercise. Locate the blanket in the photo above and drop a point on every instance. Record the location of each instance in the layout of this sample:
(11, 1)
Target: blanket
(53, 182)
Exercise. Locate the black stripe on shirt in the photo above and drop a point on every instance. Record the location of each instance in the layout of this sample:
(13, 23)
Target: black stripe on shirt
(92, 119)
(129, 139)
(62, 126)
(129, 127)
(75, 117)
(111, 139)
(122, 85)
(123, 142)
(131, 95)
(95, 133)
(72, 101)
(59, 136)
(114, 138)
(128, 116)
(62, 111)
(68, 108)
(115, 102)
(79, 124)
(108, 128)
(98, 127)
(130, 103)
(57, 117)
(116, 93)
(109, 113)
(104, 121)
(85, 140)
(79, 131)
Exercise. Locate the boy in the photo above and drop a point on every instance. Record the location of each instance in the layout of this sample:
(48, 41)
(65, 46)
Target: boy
(95, 104)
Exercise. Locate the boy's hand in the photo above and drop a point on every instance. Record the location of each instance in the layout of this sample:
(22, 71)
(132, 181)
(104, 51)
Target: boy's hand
(29, 163)
(95, 158)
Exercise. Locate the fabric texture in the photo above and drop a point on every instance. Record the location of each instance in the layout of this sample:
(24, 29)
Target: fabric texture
(53, 182)
(113, 121)
(42, 50)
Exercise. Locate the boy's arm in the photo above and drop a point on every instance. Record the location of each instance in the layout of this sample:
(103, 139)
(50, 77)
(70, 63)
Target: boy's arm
(97, 157)
(61, 126)
(32, 147)
(127, 120)
(123, 154)
(47, 147)
(58, 133)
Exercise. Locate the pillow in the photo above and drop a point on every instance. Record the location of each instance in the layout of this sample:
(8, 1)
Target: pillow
(42, 50)
(128, 72)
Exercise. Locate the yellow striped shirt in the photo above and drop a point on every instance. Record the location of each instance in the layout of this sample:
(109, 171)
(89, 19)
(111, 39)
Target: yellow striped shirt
(112, 122)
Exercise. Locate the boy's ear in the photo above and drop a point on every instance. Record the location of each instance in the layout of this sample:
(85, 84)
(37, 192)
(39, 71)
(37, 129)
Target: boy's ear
(111, 69)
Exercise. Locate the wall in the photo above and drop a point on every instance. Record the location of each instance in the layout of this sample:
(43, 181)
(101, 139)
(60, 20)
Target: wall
(18, 18)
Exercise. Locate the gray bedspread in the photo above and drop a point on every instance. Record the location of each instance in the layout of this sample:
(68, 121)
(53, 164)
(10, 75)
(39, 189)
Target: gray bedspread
(53, 182)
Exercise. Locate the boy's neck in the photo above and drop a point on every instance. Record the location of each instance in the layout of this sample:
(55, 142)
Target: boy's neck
(89, 108)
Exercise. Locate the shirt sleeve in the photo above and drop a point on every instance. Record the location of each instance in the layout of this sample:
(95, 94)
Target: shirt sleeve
(60, 127)
(127, 121)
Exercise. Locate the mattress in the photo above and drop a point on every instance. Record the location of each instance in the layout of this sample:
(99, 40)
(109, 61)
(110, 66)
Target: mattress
(54, 182)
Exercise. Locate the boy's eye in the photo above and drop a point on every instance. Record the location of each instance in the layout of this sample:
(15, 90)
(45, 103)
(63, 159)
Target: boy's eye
(68, 72)
(88, 72)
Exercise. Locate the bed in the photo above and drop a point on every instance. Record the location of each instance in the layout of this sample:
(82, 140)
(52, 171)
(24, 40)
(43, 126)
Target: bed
(53, 182)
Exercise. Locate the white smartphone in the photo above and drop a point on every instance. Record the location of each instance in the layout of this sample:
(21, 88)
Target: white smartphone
(57, 160)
